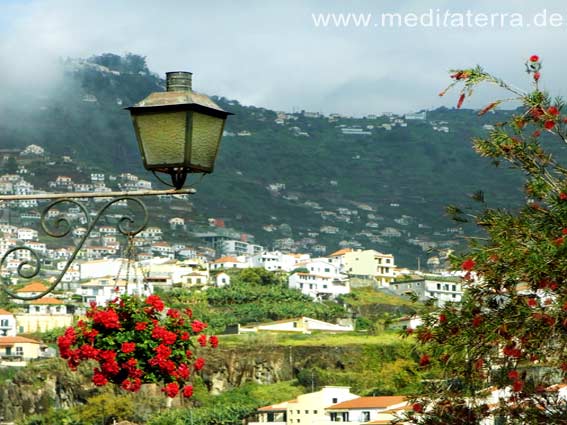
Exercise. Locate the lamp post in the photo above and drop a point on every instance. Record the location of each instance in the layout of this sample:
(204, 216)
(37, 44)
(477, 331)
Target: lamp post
(178, 132)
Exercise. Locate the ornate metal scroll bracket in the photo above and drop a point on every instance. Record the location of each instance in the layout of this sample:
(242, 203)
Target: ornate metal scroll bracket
(30, 264)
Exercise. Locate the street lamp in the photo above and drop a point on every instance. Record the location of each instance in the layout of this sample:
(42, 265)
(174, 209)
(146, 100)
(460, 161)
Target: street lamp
(179, 130)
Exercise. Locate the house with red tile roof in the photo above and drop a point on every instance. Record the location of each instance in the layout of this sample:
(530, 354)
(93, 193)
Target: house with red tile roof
(18, 348)
(367, 410)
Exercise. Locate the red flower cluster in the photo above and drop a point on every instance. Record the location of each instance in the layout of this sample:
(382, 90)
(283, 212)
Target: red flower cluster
(153, 347)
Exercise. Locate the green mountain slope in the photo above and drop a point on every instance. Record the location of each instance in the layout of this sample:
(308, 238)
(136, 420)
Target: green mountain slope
(406, 176)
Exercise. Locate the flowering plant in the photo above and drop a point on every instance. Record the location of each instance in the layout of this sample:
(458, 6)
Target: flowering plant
(137, 341)
(500, 355)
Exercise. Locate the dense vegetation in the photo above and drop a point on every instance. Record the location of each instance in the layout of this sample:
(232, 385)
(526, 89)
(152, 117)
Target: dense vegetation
(510, 331)
(254, 295)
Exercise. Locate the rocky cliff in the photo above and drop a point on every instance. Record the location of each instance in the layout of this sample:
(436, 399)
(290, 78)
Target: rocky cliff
(50, 383)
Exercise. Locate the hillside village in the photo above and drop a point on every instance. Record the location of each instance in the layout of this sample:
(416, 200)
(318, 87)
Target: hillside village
(163, 260)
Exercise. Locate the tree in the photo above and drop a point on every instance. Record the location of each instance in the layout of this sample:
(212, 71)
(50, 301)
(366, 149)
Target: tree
(510, 332)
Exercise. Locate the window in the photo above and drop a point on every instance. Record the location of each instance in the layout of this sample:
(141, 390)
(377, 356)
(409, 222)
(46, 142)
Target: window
(19, 351)
(438, 286)
(327, 270)
(335, 400)
(315, 412)
(454, 287)
(4, 323)
(307, 412)
(364, 416)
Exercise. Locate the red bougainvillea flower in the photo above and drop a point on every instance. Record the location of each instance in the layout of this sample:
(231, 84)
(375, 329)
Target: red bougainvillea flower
(537, 76)
(188, 391)
(532, 302)
(518, 386)
(552, 110)
(424, 360)
(140, 326)
(202, 340)
(534, 58)
(171, 389)
(417, 408)
(128, 347)
(468, 264)
(199, 363)
(134, 343)
(442, 318)
(478, 364)
(563, 196)
(99, 379)
(559, 241)
(549, 124)
(107, 318)
(156, 302)
(477, 320)
(198, 326)
(214, 341)
(513, 375)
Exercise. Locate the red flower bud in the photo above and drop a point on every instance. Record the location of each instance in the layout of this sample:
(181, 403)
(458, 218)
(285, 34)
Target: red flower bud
(534, 58)
(417, 407)
(461, 100)
(468, 264)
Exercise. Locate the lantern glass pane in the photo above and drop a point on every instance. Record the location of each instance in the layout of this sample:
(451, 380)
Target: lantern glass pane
(163, 137)
(206, 135)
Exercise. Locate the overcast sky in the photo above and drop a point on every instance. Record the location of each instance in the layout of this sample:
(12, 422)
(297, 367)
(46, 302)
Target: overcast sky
(273, 54)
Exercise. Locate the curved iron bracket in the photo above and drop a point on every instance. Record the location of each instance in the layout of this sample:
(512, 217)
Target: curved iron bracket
(62, 226)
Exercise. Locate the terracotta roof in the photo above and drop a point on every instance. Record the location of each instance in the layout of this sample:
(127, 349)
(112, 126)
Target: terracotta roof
(369, 402)
(10, 340)
(46, 300)
(33, 287)
(278, 407)
(5, 312)
(379, 422)
(227, 260)
(340, 252)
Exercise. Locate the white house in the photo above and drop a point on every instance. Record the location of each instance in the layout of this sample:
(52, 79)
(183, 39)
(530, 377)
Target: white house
(222, 280)
(33, 150)
(278, 261)
(47, 305)
(31, 290)
(97, 177)
(7, 323)
(322, 279)
(440, 288)
(163, 249)
(177, 223)
(363, 410)
(304, 325)
(152, 232)
(228, 263)
(106, 289)
(306, 409)
(27, 234)
(18, 347)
